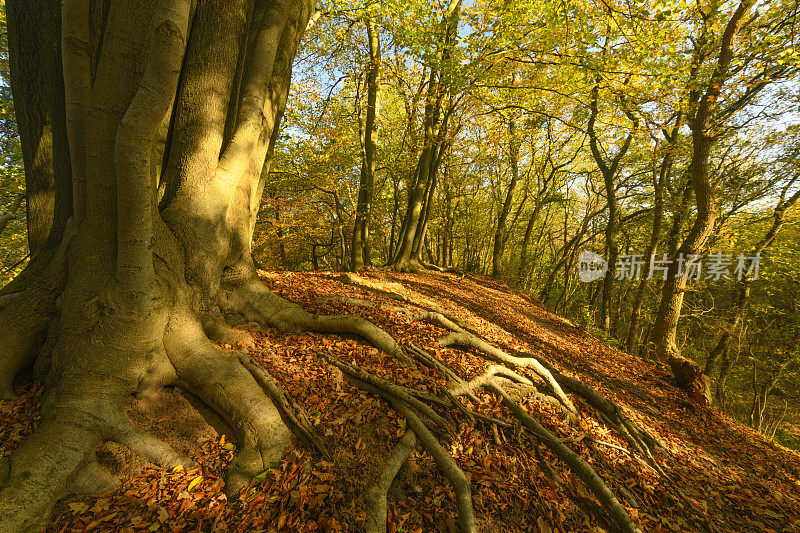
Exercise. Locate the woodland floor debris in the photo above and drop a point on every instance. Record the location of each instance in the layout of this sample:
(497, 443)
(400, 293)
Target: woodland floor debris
(731, 478)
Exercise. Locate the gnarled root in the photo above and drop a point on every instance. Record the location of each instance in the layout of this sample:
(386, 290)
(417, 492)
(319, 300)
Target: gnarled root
(60, 454)
(438, 318)
(467, 339)
(375, 496)
(390, 391)
(581, 468)
(445, 461)
(252, 299)
(410, 406)
(441, 269)
(40, 472)
(296, 415)
(220, 331)
(220, 380)
(418, 301)
(642, 441)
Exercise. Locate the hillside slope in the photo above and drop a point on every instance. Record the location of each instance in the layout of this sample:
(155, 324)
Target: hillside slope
(718, 475)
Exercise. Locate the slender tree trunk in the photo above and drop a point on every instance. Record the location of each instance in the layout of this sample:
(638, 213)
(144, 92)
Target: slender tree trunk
(658, 216)
(435, 127)
(359, 248)
(522, 275)
(609, 170)
(743, 292)
(502, 218)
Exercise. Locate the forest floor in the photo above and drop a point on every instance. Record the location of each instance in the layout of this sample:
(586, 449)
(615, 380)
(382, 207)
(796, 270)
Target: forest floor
(726, 477)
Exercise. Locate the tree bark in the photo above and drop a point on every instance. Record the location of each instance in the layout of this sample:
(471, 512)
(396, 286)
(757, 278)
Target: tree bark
(435, 127)
(37, 86)
(359, 249)
(703, 135)
(161, 138)
(609, 170)
(658, 217)
(500, 234)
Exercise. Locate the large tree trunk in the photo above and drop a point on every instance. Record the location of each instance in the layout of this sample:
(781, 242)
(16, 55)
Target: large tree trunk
(359, 250)
(37, 86)
(168, 141)
(676, 283)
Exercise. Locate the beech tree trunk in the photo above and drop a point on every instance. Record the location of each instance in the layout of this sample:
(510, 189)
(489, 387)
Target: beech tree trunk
(159, 136)
(659, 183)
(359, 249)
(437, 114)
(609, 170)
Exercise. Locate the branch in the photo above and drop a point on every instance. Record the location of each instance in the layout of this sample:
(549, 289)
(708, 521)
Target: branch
(11, 212)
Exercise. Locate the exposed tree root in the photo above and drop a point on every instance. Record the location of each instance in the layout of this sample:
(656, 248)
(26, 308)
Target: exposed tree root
(445, 461)
(375, 496)
(147, 446)
(224, 384)
(441, 269)
(285, 403)
(426, 359)
(346, 300)
(581, 468)
(411, 407)
(40, 472)
(642, 441)
(352, 279)
(252, 299)
(412, 266)
(25, 316)
(392, 390)
(486, 348)
(438, 318)
(218, 330)
(93, 479)
(469, 340)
